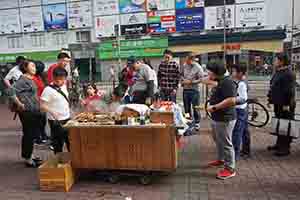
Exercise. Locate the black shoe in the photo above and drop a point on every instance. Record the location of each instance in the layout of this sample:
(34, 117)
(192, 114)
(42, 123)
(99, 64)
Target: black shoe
(272, 148)
(51, 147)
(282, 153)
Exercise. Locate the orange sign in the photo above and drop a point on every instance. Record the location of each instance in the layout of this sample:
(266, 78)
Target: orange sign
(232, 47)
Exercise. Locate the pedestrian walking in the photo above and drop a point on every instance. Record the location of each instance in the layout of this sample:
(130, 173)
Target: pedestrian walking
(223, 113)
(168, 77)
(282, 96)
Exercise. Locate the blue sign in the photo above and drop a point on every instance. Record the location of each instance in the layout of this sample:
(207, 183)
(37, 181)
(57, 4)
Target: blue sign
(55, 17)
(190, 19)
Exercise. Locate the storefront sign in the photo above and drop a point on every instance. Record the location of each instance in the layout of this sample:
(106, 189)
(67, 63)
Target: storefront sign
(105, 26)
(105, 7)
(32, 19)
(130, 6)
(80, 14)
(135, 23)
(232, 47)
(42, 56)
(154, 5)
(161, 22)
(181, 4)
(55, 17)
(214, 17)
(250, 15)
(188, 20)
(133, 52)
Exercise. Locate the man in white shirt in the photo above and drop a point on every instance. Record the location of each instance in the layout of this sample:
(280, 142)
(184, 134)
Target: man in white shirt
(55, 101)
(15, 73)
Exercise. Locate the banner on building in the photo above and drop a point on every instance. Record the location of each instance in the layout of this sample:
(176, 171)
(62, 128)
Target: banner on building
(214, 17)
(250, 15)
(32, 19)
(154, 5)
(162, 21)
(30, 3)
(8, 4)
(218, 2)
(46, 2)
(106, 26)
(181, 4)
(79, 14)
(9, 21)
(190, 19)
(133, 23)
(104, 7)
(130, 6)
(55, 17)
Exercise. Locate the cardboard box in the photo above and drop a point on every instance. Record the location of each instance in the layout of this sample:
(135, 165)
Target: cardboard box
(162, 117)
(56, 174)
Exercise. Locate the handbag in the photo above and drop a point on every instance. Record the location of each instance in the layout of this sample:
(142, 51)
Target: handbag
(285, 127)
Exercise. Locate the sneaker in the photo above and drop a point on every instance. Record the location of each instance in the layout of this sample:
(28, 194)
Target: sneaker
(216, 163)
(282, 153)
(51, 147)
(226, 174)
(272, 148)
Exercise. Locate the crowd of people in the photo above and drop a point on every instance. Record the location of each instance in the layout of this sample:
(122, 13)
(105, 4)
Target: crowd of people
(37, 99)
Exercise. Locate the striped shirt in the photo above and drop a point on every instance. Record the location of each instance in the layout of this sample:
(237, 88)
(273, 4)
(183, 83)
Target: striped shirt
(168, 75)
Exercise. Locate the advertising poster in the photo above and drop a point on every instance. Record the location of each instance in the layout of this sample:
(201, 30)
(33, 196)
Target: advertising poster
(250, 15)
(8, 4)
(153, 5)
(32, 19)
(45, 2)
(219, 2)
(30, 2)
(161, 22)
(135, 23)
(214, 17)
(181, 4)
(9, 21)
(106, 26)
(79, 14)
(106, 7)
(190, 19)
(130, 6)
(55, 17)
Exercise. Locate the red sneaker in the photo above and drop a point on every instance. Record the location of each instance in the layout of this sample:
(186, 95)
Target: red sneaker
(226, 174)
(216, 163)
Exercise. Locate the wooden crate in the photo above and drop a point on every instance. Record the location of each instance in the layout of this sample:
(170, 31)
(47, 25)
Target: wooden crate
(56, 174)
(139, 148)
(162, 117)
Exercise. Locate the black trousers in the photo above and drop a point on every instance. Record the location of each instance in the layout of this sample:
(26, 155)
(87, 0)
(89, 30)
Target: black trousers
(139, 97)
(42, 126)
(283, 143)
(59, 135)
(31, 130)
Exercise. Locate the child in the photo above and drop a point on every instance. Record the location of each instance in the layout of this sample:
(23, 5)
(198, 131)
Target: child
(238, 73)
(92, 97)
(55, 101)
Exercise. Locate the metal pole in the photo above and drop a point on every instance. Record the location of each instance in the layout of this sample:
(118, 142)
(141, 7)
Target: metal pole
(292, 37)
(224, 34)
(119, 45)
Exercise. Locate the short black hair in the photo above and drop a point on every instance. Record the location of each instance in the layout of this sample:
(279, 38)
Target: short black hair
(239, 68)
(62, 55)
(40, 67)
(168, 52)
(20, 60)
(23, 67)
(217, 69)
(284, 58)
(60, 72)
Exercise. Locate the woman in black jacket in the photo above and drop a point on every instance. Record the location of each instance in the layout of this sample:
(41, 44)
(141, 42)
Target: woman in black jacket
(282, 96)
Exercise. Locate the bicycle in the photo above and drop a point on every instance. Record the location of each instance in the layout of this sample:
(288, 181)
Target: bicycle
(258, 114)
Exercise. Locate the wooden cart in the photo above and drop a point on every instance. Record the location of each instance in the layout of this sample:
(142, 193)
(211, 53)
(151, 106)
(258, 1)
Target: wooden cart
(145, 149)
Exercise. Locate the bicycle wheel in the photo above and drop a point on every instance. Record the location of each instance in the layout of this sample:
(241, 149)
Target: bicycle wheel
(258, 115)
(208, 114)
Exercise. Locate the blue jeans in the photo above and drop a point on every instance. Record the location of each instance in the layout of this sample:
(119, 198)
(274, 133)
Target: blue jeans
(167, 95)
(191, 98)
(238, 131)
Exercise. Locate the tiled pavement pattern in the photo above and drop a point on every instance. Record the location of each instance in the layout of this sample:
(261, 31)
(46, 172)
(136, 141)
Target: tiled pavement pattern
(263, 177)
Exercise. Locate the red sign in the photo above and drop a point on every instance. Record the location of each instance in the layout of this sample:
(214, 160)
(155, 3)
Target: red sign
(232, 47)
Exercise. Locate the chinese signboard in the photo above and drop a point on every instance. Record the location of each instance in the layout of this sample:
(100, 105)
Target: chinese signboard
(191, 19)
(161, 22)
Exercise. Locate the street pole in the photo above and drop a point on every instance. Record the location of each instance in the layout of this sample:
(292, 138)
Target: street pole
(292, 37)
(224, 34)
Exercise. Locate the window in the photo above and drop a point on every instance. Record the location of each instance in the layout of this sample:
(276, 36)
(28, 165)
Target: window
(15, 42)
(83, 36)
(60, 39)
(37, 40)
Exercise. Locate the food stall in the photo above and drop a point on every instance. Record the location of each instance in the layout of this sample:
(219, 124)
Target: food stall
(124, 144)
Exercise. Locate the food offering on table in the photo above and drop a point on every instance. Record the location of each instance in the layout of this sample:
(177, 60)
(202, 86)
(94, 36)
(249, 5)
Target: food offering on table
(97, 118)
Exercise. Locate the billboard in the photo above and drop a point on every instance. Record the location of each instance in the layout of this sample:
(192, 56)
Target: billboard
(134, 23)
(153, 5)
(30, 3)
(130, 6)
(105, 26)
(9, 21)
(104, 7)
(55, 17)
(190, 19)
(250, 15)
(181, 4)
(8, 4)
(32, 19)
(80, 14)
(219, 2)
(161, 21)
(214, 17)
